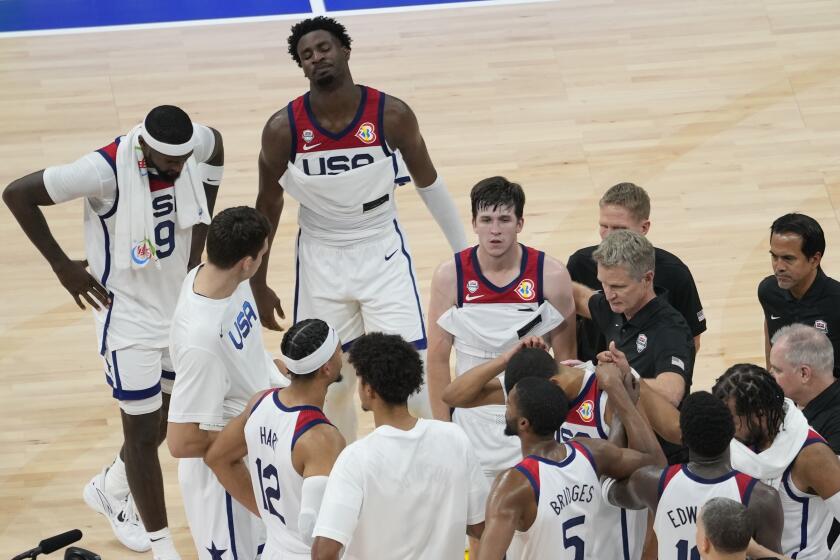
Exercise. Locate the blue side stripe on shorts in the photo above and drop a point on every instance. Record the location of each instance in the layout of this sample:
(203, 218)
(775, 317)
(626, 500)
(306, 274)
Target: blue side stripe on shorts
(422, 343)
(229, 511)
(127, 394)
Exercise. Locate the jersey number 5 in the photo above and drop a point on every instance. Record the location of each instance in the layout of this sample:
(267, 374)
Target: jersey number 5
(269, 493)
(572, 541)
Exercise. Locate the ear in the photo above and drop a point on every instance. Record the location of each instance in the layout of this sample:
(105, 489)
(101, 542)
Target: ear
(816, 259)
(649, 276)
(805, 374)
(645, 227)
(520, 223)
(704, 545)
(346, 52)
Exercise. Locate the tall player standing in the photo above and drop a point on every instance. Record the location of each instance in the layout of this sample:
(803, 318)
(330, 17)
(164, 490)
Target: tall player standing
(339, 150)
(143, 194)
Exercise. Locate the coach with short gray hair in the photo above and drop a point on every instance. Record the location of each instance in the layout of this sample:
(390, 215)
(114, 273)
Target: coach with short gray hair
(802, 361)
(638, 325)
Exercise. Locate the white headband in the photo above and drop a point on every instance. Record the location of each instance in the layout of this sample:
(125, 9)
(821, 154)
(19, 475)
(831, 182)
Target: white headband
(174, 150)
(316, 359)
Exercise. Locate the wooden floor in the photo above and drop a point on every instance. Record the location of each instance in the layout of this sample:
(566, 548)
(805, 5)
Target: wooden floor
(727, 112)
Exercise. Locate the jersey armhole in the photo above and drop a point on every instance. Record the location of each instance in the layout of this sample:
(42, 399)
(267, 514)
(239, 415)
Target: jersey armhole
(530, 468)
(259, 400)
(746, 484)
(292, 131)
(307, 420)
(586, 453)
(665, 478)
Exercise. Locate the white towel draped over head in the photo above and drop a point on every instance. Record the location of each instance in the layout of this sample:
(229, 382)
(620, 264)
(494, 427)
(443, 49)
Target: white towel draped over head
(134, 238)
(770, 464)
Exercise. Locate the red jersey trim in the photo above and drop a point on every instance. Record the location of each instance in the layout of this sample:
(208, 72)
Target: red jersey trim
(530, 467)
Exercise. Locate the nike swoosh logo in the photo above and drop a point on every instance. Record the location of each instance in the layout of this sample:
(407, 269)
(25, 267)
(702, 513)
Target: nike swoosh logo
(526, 309)
(773, 317)
(471, 297)
(156, 540)
(307, 147)
(388, 257)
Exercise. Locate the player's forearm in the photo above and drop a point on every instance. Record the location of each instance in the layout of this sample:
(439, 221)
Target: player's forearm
(33, 223)
(326, 549)
(199, 237)
(669, 388)
(640, 435)
(269, 205)
(237, 481)
(582, 294)
(187, 440)
(439, 378)
(465, 389)
(494, 543)
(663, 416)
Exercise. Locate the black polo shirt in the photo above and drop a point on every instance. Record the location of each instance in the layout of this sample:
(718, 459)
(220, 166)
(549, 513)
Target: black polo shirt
(823, 414)
(655, 340)
(819, 308)
(672, 280)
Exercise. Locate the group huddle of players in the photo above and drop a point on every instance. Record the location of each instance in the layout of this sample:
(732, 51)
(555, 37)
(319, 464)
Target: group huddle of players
(568, 431)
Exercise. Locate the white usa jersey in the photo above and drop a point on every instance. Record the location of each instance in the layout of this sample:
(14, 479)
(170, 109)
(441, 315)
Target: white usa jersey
(568, 495)
(681, 495)
(807, 518)
(271, 432)
(486, 321)
(586, 419)
(142, 299)
(344, 181)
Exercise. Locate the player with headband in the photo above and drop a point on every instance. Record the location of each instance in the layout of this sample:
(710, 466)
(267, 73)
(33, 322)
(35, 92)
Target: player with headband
(148, 197)
(290, 444)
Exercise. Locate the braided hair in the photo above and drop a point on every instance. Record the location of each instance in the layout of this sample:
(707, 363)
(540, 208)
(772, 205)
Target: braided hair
(302, 340)
(755, 396)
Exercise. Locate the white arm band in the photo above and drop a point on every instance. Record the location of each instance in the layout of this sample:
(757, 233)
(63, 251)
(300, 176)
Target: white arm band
(442, 208)
(833, 504)
(211, 174)
(606, 485)
(310, 503)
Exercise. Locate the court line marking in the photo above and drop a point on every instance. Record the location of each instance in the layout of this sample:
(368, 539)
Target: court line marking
(257, 19)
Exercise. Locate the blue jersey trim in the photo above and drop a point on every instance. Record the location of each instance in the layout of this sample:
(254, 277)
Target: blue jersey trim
(284, 408)
(336, 136)
(104, 346)
(539, 279)
(488, 283)
(534, 485)
(699, 479)
(459, 279)
(625, 538)
(380, 117)
(305, 428)
(297, 280)
(293, 132)
(168, 375)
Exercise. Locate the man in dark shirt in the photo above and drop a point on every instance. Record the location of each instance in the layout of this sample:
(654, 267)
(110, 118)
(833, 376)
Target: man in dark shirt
(652, 335)
(802, 361)
(627, 206)
(799, 291)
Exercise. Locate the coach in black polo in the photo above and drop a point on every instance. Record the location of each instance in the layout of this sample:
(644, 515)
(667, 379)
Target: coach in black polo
(627, 206)
(653, 335)
(799, 291)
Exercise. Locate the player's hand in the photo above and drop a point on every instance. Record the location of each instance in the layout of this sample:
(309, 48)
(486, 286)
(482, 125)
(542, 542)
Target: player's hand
(75, 278)
(527, 342)
(267, 304)
(614, 356)
(609, 376)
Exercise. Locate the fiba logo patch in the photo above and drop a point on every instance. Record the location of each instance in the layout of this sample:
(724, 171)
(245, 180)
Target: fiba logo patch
(821, 326)
(308, 136)
(472, 286)
(141, 252)
(525, 289)
(641, 343)
(366, 133)
(586, 411)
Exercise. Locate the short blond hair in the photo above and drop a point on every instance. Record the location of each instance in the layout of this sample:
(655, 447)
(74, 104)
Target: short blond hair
(629, 196)
(628, 249)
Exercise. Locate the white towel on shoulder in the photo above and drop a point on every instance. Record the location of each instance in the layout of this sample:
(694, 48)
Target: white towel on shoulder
(769, 465)
(134, 237)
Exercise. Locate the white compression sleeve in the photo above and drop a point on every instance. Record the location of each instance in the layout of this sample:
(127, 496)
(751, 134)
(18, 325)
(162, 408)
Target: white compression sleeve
(310, 503)
(440, 204)
(833, 504)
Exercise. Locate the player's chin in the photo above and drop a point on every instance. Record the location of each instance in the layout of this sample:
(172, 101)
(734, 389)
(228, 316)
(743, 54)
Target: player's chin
(617, 307)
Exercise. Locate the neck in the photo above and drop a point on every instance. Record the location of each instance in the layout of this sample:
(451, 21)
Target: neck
(802, 288)
(396, 416)
(815, 388)
(542, 446)
(312, 393)
(215, 283)
(339, 98)
(510, 259)
(649, 295)
(717, 555)
(709, 465)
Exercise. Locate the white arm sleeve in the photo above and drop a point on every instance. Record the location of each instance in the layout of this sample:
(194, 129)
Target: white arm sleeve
(440, 204)
(204, 142)
(343, 498)
(199, 389)
(312, 494)
(90, 176)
